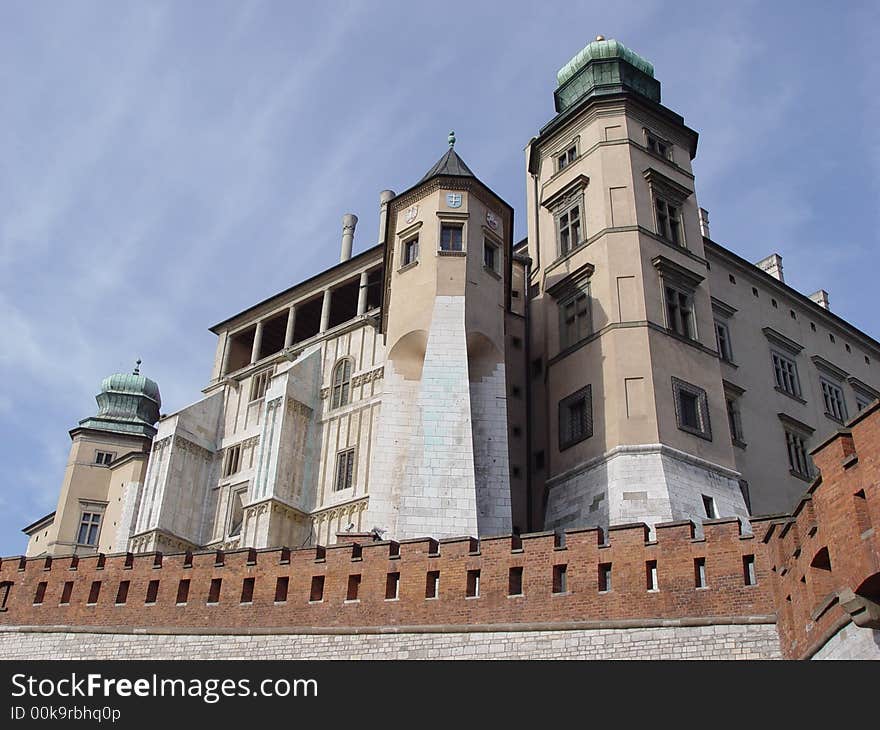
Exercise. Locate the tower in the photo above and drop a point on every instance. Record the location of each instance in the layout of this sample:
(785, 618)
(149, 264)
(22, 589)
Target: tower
(104, 473)
(440, 465)
(631, 399)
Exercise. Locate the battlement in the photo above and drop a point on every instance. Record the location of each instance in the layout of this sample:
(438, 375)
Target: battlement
(575, 576)
(825, 556)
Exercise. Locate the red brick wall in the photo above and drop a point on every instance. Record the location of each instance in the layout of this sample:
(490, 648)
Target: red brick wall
(626, 548)
(813, 601)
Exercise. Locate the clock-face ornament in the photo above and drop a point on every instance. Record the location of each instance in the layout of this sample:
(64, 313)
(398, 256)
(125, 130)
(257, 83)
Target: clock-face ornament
(453, 200)
(491, 220)
(411, 213)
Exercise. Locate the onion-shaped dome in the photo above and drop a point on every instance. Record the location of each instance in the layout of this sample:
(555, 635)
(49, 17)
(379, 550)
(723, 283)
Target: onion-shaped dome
(127, 403)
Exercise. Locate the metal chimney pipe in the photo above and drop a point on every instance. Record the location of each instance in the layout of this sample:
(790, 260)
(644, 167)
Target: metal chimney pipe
(349, 221)
(384, 197)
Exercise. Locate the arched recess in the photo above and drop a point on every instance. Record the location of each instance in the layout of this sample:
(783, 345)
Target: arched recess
(5, 588)
(483, 356)
(408, 354)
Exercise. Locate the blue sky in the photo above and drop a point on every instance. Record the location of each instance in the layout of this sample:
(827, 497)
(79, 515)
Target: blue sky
(165, 165)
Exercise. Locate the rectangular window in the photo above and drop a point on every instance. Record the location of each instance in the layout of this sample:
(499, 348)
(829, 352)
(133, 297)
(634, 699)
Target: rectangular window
(515, 582)
(247, 590)
(658, 146)
(472, 589)
(40, 593)
(103, 458)
(344, 470)
(281, 586)
(66, 592)
(490, 255)
(232, 462)
(798, 458)
(450, 238)
(432, 584)
(560, 578)
(88, 528)
(574, 318)
(709, 507)
(734, 421)
(316, 593)
(566, 158)
(410, 251)
(392, 586)
(699, 572)
(259, 384)
(749, 577)
(576, 418)
(722, 340)
(568, 229)
(785, 373)
(152, 592)
(669, 222)
(122, 593)
(604, 577)
(862, 402)
(691, 409)
(214, 590)
(651, 575)
(183, 592)
(835, 405)
(354, 584)
(94, 592)
(680, 312)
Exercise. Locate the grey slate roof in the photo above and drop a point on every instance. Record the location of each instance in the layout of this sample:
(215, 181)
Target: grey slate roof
(449, 164)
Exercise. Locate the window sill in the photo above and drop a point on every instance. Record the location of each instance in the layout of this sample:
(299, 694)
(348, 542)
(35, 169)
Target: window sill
(791, 395)
(561, 593)
(182, 603)
(407, 267)
(489, 270)
(471, 598)
(701, 588)
(695, 432)
(351, 600)
(568, 444)
(517, 595)
(731, 363)
(803, 477)
(442, 252)
(315, 602)
(832, 417)
(212, 603)
(739, 444)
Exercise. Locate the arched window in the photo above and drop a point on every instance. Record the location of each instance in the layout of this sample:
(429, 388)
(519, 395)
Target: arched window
(341, 383)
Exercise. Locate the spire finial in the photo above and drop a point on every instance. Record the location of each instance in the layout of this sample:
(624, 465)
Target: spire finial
(452, 139)
(137, 367)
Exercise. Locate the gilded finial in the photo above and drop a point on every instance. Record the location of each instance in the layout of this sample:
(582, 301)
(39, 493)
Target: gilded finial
(452, 139)
(137, 367)
(600, 37)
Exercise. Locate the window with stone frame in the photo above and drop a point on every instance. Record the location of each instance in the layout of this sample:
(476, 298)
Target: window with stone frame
(89, 528)
(722, 341)
(668, 199)
(491, 255)
(734, 420)
(104, 457)
(260, 383)
(567, 157)
(410, 251)
(575, 418)
(786, 375)
(232, 460)
(570, 226)
(574, 316)
(680, 311)
(341, 389)
(691, 409)
(236, 511)
(832, 397)
(344, 470)
(451, 237)
(657, 145)
(799, 462)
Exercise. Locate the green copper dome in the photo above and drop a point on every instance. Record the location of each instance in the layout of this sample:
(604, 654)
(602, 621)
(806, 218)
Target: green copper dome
(604, 67)
(603, 49)
(127, 403)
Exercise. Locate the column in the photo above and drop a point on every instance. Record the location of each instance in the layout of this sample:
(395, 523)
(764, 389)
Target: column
(224, 368)
(258, 339)
(291, 323)
(362, 294)
(325, 312)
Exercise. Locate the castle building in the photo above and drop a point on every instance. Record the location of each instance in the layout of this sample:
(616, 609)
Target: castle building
(615, 366)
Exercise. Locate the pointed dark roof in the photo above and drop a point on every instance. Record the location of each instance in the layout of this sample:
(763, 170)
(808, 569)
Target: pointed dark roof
(449, 164)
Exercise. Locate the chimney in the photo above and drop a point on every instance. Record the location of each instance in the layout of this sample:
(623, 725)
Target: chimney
(773, 266)
(384, 197)
(349, 221)
(704, 223)
(821, 298)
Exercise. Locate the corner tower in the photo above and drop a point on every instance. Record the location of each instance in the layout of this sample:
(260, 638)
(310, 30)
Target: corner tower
(441, 463)
(630, 417)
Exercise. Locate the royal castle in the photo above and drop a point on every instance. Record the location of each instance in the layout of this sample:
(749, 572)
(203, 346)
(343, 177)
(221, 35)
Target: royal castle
(617, 366)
